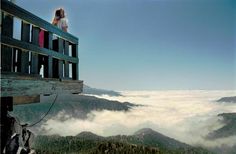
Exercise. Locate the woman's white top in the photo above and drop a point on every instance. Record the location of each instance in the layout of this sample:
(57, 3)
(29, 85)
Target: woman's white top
(62, 23)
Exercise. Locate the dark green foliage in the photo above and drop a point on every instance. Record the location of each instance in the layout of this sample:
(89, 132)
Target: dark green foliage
(229, 129)
(77, 106)
(89, 143)
(228, 99)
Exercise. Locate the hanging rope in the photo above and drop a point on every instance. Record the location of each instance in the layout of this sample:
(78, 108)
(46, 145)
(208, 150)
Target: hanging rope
(45, 113)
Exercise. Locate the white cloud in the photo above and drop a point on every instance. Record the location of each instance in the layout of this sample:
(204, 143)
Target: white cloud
(184, 115)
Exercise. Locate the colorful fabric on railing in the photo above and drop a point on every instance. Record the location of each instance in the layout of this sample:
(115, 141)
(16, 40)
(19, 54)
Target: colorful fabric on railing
(41, 38)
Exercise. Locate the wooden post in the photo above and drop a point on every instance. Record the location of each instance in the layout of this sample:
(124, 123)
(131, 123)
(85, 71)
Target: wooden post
(6, 105)
(25, 36)
(75, 66)
(60, 62)
(6, 52)
(48, 60)
(55, 73)
(34, 69)
(66, 52)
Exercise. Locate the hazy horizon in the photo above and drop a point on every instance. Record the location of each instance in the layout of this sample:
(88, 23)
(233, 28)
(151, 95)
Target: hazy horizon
(188, 116)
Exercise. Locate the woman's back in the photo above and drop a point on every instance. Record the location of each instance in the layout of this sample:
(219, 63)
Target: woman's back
(62, 24)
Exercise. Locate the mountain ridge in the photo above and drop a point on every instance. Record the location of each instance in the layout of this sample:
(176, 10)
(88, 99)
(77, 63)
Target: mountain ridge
(115, 144)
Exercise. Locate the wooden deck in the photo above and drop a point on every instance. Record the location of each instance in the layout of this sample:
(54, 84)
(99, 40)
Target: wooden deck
(21, 59)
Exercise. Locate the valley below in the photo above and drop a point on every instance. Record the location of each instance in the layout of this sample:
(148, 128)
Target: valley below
(134, 121)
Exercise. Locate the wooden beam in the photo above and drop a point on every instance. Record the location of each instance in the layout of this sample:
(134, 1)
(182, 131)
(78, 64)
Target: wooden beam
(75, 66)
(60, 62)
(48, 60)
(34, 56)
(16, 84)
(6, 51)
(49, 67)
(28, 46)
(18, 100)
(25, 37)
(6, 58)
(66, 65)
(7, 24)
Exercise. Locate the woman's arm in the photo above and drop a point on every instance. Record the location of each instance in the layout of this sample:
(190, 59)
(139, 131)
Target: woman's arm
(55, 21)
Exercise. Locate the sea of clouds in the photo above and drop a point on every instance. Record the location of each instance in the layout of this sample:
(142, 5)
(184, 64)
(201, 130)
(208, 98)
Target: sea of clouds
(187, 116)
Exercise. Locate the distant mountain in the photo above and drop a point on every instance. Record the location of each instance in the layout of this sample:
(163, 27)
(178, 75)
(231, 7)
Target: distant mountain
(95, 91)
(143, 141)
(77, 106)
(229, 129)
(228, 99)
(89, 136)
(150, 137)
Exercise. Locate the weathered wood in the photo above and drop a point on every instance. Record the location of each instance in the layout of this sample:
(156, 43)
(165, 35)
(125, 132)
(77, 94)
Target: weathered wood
(27, 46)
(16, 84)
(25, 36)
(75, 75)
(60, 62)
(48, 60)
(66, 64)
(53, 58)
(15, 10)
(55, 73)
(6, 51)
(18, 100)
(49, 67)
(34, 57)
(75, 50)
(75, 66)
(6, 58)
(48, 40)
(7, 24)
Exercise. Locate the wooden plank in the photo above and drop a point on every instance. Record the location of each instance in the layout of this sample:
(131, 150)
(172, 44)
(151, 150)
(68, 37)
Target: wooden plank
(48, 60)
(66, 64)
(18, 100)
(75, 66)
(49, 67)
(66, 48)
(13, 84)
(6, 51)
(34, 57)
(25, 36)
(6, 58)
(55, 73)
(33, 19)
(27, 46)
(14, 59)
(48, 40)
(75, 50)
(7, 24)
(60, 62)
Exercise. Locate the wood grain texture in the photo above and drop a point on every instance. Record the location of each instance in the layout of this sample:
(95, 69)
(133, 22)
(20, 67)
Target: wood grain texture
(15, 84)
(30, 47)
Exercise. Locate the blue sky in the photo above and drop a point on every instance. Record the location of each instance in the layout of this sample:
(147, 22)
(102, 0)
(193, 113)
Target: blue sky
(151, 44)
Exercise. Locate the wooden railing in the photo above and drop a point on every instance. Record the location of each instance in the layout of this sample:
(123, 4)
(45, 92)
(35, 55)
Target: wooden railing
(58, 57)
